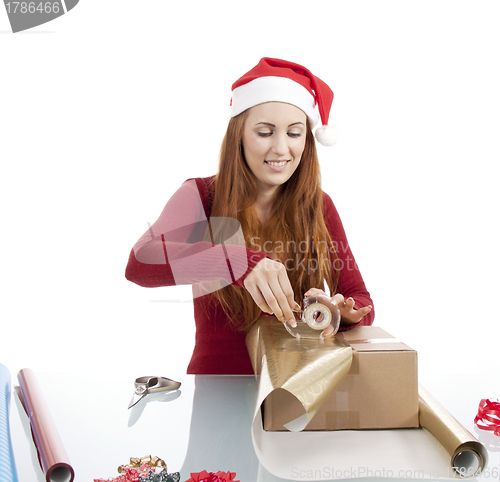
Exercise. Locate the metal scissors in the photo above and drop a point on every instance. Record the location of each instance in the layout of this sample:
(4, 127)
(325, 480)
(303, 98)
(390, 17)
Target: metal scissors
(146, 385)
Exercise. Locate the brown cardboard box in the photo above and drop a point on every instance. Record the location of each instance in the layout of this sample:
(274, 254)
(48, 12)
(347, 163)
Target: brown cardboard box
(380, 390)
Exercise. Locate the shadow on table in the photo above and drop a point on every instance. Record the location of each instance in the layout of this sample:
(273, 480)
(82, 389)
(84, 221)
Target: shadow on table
(220, 433)
(137, 410)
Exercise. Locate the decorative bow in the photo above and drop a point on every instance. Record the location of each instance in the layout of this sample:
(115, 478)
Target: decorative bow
(136, 462)
(142, 469)
(488, 416)
(213, 477)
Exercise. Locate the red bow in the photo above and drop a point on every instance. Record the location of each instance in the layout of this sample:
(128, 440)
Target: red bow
(213, 477)
(488, 416)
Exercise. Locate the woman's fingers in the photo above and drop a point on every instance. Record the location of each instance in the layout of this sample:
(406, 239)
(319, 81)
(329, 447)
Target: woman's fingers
(347, 311)
(349, 304)
(270, 288)
(258, 297)
(327, 330)
(364, 311)
(279, 297)
(338, 301)
(314, 292)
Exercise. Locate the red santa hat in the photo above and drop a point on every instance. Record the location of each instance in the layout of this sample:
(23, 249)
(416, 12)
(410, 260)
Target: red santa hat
(275, 80)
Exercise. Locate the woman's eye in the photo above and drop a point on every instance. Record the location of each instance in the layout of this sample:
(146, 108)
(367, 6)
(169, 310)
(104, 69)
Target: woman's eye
(294, 134)
(264, 134)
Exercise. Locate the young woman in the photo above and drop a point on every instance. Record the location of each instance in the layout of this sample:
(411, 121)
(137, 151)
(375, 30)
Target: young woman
(261, 234)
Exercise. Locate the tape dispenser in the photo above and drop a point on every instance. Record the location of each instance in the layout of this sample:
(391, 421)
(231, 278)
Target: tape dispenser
(318, 314)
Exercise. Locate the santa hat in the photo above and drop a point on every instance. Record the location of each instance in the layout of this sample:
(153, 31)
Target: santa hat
(275, 80)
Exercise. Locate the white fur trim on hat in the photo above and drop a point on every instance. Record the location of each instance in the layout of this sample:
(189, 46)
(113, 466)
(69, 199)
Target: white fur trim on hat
(273, 89)
(327, 135)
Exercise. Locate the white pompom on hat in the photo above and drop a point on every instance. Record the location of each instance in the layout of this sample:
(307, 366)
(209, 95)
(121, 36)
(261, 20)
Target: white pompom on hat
(275, 80)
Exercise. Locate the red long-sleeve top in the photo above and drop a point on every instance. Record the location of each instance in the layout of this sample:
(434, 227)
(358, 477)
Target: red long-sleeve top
(179, 249)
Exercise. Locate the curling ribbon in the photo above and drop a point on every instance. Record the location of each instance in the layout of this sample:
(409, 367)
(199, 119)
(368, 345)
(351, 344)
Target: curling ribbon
(136, 462)
(128, 474)
(144, 469)
(488, 416)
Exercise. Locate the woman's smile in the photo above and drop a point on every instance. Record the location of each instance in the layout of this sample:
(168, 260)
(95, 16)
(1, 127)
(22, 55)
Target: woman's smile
(277, 166)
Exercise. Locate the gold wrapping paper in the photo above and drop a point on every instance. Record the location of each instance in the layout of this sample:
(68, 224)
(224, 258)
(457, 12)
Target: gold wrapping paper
(308, 369)
(468, 456)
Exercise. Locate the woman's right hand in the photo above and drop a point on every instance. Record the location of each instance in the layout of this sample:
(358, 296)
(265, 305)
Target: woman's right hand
(270, 288)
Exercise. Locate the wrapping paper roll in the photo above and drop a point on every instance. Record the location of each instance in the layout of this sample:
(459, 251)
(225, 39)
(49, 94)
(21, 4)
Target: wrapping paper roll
(468, 456)
(8, 471)
(308, 370)
(51, 453)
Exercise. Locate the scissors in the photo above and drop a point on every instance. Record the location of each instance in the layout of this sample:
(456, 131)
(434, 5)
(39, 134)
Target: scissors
(146, 385)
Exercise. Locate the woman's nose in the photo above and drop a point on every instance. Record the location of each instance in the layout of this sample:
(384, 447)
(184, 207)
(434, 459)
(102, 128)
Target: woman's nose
(280, 146)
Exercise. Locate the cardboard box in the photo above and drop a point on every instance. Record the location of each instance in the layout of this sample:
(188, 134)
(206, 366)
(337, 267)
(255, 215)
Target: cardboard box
(380, 391)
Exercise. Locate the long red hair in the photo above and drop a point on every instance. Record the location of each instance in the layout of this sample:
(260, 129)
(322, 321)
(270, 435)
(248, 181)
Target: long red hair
(296, 226)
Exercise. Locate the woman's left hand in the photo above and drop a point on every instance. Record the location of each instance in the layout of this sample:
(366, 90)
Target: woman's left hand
(348, 314)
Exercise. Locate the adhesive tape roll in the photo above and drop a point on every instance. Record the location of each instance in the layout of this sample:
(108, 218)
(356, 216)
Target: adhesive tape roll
(317, 316)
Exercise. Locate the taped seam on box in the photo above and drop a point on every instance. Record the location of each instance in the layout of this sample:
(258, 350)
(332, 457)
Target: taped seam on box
(341, 420)
(342, 401)
(341, 417)
(366, 342)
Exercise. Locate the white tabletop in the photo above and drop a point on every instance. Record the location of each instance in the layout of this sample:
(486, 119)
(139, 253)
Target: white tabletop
(204, 426)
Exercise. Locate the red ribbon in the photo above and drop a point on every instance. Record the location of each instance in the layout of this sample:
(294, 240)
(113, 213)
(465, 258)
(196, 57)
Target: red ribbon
(488, 416)
(204, 476)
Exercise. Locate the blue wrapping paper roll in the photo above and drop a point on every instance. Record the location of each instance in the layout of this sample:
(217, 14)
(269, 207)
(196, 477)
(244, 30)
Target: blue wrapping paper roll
(8, 471)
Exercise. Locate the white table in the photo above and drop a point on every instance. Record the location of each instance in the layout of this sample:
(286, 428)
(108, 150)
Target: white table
(204, 427)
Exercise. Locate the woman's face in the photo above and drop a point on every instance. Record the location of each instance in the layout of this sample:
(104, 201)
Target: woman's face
(274, 136)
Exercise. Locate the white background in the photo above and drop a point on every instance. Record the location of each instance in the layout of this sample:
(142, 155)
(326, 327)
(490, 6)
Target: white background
(107, 109)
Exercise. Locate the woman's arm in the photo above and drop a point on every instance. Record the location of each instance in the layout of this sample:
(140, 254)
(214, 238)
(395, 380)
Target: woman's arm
(183, 246)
